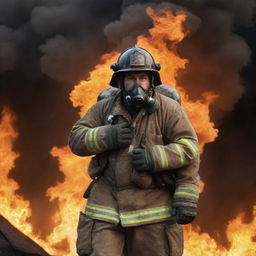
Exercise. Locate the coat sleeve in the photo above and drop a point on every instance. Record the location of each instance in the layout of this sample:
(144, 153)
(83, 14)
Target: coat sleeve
(181, 155)
(181, 143)
(187, 185)
(89, 135)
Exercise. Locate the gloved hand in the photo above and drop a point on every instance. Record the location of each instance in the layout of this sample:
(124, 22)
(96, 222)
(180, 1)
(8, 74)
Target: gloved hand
(120, 135)
(142, 160)
(184, 214)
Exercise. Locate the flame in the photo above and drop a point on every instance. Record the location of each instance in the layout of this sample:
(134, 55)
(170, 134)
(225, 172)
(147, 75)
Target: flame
(69, 196)
(13, 206)
(240, 236)
(164, 36)
(9, 200)
(162, 41)
(167, 28)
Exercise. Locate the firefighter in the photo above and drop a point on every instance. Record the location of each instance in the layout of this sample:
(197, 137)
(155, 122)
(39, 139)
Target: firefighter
(145, 168)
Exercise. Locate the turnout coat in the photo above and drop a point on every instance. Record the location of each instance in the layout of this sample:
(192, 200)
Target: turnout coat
(119, 193)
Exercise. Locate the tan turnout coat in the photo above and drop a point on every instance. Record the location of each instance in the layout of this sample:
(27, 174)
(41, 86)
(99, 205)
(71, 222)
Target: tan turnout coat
(121, 194)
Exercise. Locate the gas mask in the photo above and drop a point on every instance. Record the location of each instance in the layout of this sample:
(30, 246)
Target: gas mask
(138, 98)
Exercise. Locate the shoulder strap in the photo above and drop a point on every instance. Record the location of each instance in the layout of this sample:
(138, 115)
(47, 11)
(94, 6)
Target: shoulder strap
(108, 118)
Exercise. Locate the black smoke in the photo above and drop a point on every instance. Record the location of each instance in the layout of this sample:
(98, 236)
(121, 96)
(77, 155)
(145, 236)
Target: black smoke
(47, 46)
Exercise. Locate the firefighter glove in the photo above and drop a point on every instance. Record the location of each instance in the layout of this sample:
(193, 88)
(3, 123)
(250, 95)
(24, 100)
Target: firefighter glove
(184, 214)
(120, 135)
(142, 160)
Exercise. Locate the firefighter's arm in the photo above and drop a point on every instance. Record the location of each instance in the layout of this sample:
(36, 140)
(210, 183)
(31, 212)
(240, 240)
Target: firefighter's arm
(186, 195)
(182, 144)
(89, 135)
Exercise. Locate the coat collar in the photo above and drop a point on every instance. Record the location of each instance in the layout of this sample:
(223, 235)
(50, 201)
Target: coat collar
(119, 109)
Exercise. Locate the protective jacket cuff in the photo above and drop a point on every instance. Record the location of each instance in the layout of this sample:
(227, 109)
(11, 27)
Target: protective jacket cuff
(186, 195)
(96, 139)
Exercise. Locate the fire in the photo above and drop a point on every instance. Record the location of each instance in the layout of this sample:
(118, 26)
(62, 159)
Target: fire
(163, 38)
(240, 236)
(9, 200)
(13, 207)
(167, 28)
(69, 196)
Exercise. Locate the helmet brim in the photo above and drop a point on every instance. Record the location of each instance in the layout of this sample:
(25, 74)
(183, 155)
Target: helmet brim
(117, 75)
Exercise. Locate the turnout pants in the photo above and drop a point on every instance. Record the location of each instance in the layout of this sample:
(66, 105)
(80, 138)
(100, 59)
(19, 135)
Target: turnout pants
(99, 238)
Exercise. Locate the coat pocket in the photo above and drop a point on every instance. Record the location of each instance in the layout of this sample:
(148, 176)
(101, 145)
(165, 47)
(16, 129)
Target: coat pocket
(142, 180)
(84, 235)
(175, 238)
(97, 165)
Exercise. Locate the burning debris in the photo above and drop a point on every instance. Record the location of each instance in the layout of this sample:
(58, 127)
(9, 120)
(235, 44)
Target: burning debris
(15, 243)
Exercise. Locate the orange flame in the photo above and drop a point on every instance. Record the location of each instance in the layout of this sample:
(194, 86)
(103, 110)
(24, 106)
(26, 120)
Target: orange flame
(9, 200)
(69, 195)
(13, 207)
(164, 36)
(240, 236)
(167, 28)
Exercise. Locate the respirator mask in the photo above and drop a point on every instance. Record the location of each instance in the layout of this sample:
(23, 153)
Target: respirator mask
(138, 98)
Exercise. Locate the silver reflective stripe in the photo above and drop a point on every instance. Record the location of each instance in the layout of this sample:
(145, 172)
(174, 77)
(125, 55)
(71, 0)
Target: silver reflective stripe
(101, 212)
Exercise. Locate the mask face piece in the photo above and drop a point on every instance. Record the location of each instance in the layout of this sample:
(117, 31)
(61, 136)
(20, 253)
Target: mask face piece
(137, 97)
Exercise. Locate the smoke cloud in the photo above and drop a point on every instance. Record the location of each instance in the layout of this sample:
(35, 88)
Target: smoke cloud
(46, 46)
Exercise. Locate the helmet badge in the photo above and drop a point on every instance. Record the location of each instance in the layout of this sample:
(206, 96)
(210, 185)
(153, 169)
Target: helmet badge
(137, 60)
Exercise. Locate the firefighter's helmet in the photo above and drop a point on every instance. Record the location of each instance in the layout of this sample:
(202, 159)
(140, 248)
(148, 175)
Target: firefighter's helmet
(135, 59)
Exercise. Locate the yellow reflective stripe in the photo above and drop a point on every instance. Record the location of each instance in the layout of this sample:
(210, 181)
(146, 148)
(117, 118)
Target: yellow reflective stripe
(163, 157)
(92, 141)
(101, 209)
(191, 188)
(189, 144)
(148, 219)
(101, 206)
(95, 140)
(186, 194)
(94, 210)
(92, 214)
(139, 213)
(145, 215)
(87, 140)
(181, 153)
(193, 148)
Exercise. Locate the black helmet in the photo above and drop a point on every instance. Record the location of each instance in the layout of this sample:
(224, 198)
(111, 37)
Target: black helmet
(135, 59)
